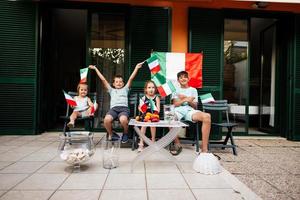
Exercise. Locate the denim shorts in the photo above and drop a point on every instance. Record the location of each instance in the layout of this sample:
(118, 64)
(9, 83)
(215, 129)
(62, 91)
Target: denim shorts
(118, 111)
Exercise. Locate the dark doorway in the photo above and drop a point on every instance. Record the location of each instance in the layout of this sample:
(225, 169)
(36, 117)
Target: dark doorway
(63, 53)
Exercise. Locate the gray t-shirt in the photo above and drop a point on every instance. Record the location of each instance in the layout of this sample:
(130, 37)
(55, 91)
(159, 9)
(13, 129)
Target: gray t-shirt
(118, 97)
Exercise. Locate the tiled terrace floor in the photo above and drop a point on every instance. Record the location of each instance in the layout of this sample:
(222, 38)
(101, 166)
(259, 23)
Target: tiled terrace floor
(30, 168)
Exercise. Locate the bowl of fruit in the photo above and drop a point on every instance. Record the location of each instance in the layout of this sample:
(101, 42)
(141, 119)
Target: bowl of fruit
(148, 117)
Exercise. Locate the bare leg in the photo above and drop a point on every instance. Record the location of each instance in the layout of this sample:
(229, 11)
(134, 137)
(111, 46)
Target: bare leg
(153, 133)
(73, 117)
(206, 124)
(108, 124)
(143, 131)
(124, 123)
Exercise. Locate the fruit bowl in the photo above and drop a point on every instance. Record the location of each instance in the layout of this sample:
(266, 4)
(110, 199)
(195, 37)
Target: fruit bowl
(148, 117)
(76, 148)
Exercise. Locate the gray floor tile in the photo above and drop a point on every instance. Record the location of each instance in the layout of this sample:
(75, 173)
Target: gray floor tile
(161, 167)
(84, 182)
(166, 181)
(4, 164)
(26, 195)
(76, 195)
(217, 194)
(123, 195)
(10, 180)
(125, 181)
(40, 156)
(55, 168)
(42, 182)
(168, 194)
(206, 181)
(23, 167)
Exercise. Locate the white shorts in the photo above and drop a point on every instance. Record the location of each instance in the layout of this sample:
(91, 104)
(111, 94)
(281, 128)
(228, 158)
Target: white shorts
(185, 112)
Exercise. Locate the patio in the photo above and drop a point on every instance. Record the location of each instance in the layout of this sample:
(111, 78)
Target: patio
(30, 168)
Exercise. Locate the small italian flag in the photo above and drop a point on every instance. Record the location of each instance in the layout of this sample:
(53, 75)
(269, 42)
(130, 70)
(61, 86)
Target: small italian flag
(166, 89)
(172, 63)
(83, 75)
(69, 99)
(207, 98)
(94, 107)
(143, 105)
(152, 105)
(153, 64)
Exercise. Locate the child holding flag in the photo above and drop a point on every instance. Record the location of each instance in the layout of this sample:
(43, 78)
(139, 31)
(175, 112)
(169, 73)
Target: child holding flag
(118, 102)
(185, 101)
(149, 103)
(84, 106)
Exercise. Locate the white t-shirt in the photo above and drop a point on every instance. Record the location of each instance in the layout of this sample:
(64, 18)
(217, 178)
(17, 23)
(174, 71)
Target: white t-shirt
(189, 92)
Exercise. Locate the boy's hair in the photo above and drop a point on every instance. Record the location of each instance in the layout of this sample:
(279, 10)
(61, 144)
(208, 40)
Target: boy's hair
(146, 84)
(117, 76)
(79, 84)
(182, 73)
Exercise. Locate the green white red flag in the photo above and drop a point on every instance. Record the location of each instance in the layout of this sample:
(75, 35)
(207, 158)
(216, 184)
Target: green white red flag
(207, 98)
(172, 63)
(69, 99)
(152, 105)
(143, 106)
(166, 89)
(153, 64)
(83, 75)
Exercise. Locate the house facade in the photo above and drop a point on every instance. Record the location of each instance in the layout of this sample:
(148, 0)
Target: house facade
(251, 56)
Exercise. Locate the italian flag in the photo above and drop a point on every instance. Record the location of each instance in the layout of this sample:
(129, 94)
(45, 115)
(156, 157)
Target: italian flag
(69, 99)
(83, 75)
(172, 63)
(152, 105)
(166, 89)
(94, 107)
(153, 64)
(143, 105)
(207, 98)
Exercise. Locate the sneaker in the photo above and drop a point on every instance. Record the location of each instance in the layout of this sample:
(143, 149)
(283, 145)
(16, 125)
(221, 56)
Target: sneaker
(124, 138)
(115, 136)
(141, 148)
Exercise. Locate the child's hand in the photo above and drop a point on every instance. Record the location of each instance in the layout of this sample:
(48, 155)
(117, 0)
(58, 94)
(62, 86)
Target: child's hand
(92, 67)
(139, 65)
(181, 96)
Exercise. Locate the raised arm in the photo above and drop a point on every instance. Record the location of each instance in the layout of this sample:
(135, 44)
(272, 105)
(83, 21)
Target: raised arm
(134, 73)
(102, 78)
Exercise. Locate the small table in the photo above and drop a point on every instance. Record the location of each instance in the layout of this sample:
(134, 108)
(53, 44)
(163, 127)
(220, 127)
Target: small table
(161, 143)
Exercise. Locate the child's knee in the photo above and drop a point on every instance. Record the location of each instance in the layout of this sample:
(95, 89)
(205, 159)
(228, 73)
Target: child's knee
(206, 117)
(108, 119)
(123, 120)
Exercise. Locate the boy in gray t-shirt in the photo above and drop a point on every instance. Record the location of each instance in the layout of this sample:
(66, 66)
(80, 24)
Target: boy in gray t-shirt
(118, 102)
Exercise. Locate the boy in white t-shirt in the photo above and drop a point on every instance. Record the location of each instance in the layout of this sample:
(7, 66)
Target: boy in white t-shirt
(185, 101)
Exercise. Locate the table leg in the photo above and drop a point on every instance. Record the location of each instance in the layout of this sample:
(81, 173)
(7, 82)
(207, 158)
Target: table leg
(156, 146)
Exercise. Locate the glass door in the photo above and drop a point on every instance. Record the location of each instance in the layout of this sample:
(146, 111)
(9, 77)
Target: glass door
(235, 84)
(267, 89)
(107, 49)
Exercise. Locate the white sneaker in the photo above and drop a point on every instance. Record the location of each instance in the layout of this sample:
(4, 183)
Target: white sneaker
(141, 148)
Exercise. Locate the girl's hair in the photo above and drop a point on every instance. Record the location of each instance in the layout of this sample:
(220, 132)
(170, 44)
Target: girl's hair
(146, 84)
(80, 84)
